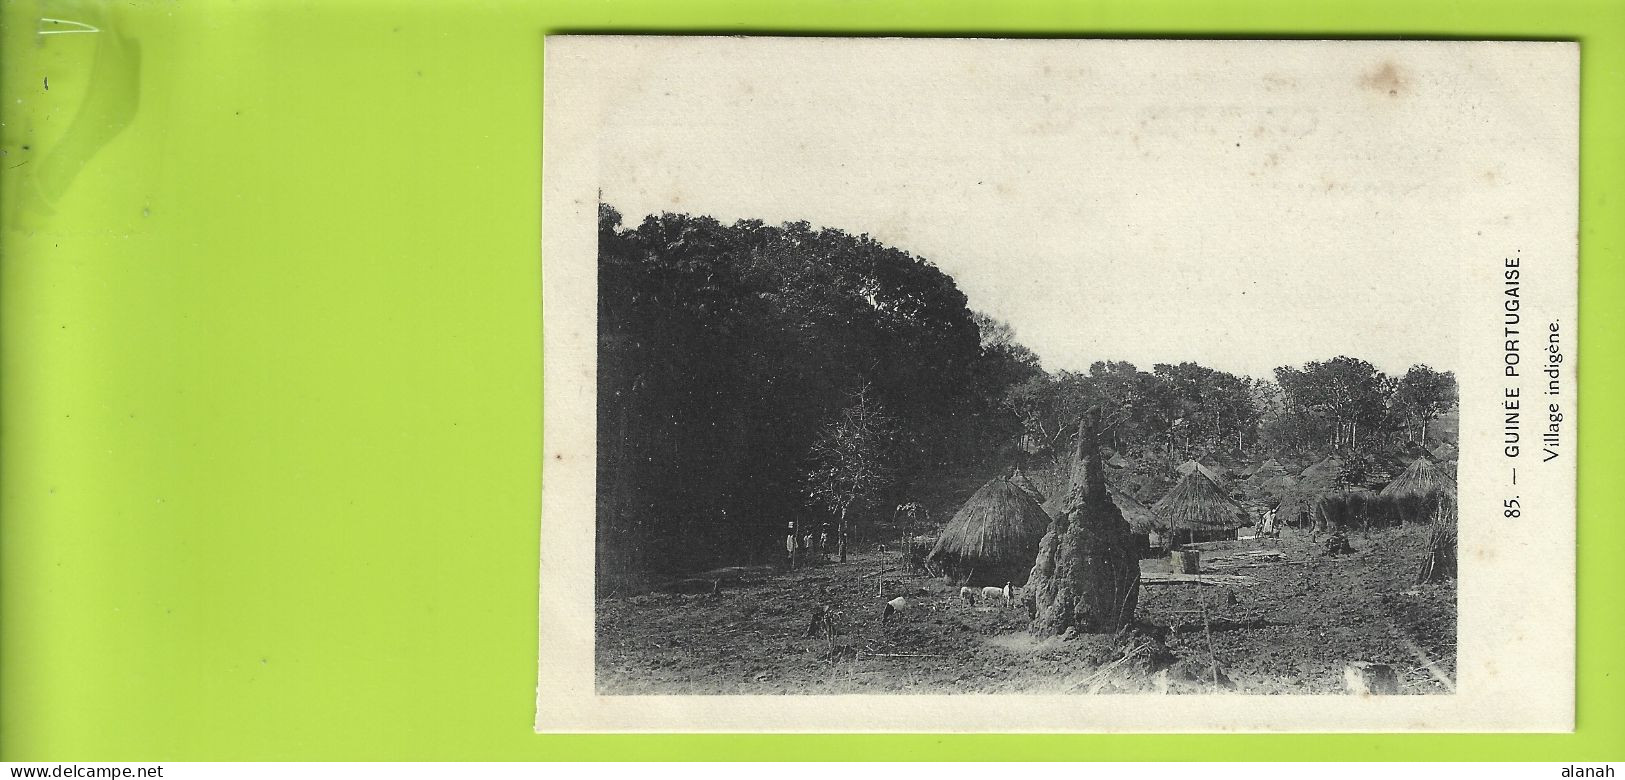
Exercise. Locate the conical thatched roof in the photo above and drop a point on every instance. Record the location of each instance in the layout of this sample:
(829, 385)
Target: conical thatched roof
(1135, 512)
(1022, 481)
(994, 536)
(1299, 499)
(1198, 504)
(1212, 473)
(1422, 480)
(1152, 487)
(1269, 469)
(1271, 480)
(1139, 516)
(1385, 466)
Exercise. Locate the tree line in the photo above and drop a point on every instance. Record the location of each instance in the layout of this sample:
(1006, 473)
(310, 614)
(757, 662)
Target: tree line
(1186, 410)
(752, 375)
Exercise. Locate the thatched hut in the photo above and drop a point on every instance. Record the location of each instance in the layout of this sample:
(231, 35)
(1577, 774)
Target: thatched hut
(1267, 473)
(1197, 510)
(1141, 522)
(1139, 517)
(1213, 473)
(1419, 491)
(1152, 486)
(1136, 513)
(1026, 484)
(1328, 496)
(993, 538)
(1277, 479)
(1385, 466)
(1300, 501)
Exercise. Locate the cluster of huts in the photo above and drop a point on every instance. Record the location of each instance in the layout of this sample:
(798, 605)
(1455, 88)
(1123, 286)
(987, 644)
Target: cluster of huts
(995, 535)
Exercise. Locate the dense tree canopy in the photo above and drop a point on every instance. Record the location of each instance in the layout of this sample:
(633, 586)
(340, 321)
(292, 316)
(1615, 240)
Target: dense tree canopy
(724, 351)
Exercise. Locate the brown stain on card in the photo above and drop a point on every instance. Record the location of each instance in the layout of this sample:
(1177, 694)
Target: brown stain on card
(1387, 78)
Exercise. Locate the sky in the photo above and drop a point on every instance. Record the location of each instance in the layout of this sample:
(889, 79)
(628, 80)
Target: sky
(1244, 207)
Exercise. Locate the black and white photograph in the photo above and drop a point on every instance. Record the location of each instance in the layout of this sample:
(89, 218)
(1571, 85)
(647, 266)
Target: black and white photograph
(1047, 377)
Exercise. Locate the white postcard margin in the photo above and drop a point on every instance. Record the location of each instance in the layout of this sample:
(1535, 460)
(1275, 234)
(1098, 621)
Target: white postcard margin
(1516, 588)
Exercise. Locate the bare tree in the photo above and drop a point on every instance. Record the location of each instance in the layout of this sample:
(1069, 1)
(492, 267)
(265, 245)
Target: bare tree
(851, 460)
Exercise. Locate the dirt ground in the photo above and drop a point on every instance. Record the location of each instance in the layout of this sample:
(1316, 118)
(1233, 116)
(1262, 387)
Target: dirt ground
(1290, 632)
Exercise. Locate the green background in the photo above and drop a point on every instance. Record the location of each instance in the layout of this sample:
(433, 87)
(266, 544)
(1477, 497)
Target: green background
(271, 360)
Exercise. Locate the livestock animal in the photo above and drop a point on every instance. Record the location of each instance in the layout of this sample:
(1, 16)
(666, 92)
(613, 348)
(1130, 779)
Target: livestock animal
(997, 594)
(968, 595)
(894, 606)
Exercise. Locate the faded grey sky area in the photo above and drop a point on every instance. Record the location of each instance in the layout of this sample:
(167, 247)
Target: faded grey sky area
(1285, 204)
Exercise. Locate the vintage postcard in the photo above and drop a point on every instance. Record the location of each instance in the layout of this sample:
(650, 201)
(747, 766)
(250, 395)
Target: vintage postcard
(1058, 385)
